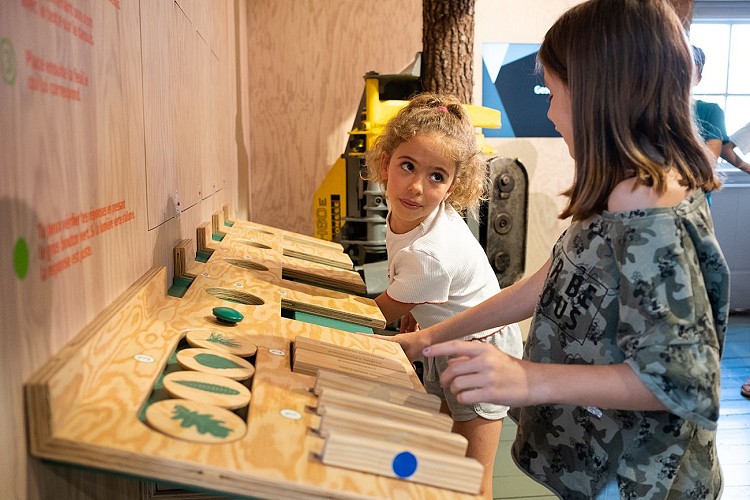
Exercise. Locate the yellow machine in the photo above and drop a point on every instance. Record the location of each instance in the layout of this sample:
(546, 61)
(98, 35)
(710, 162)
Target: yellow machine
(348, 209)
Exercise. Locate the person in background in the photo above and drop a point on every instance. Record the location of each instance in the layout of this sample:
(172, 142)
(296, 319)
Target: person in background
(429, 162)
(729, 154)
(617, 394)
(711, 121)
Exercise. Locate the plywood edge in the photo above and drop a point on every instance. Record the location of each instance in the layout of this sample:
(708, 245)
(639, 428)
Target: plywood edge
(217, 222)
(145, 292)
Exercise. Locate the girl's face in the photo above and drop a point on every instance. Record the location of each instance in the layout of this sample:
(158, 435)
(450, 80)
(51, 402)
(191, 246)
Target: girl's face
(419, 177)
(559, 109)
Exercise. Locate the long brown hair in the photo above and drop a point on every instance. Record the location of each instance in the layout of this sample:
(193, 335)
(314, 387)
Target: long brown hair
(628, 66)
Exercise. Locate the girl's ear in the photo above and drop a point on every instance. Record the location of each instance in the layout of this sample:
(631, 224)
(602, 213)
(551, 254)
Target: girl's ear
(384, 161)
(450, 191)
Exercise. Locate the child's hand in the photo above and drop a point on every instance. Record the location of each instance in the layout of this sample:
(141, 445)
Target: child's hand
(411, 343)
(482, 373)
(408, 324)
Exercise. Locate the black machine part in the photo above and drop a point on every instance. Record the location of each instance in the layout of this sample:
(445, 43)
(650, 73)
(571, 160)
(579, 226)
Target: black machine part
(503, 219)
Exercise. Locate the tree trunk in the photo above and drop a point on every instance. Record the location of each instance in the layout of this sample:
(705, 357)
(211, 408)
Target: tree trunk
(448, 47)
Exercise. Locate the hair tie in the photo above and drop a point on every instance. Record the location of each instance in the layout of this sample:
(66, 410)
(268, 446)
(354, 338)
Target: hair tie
(442, 108)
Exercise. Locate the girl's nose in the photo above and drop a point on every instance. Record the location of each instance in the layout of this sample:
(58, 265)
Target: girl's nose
(416, 185)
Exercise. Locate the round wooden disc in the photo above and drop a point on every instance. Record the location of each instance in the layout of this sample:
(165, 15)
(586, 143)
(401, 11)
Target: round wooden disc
(221, 341)
(207, 388)
(193, 421)
(215, 362)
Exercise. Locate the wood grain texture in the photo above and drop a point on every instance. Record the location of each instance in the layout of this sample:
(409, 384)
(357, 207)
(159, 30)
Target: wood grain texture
(308, 59)
(84, 404)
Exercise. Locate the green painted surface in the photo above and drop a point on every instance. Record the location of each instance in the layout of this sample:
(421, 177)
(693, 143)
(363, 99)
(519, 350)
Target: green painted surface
(204, 423)
(214, 361)
(180, 285)
(330, 323)
(217, 236)
(203, 386)
(21, 258)
(203, 255)
(7, 61)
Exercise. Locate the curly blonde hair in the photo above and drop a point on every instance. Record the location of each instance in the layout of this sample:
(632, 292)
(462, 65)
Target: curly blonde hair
(441, 114)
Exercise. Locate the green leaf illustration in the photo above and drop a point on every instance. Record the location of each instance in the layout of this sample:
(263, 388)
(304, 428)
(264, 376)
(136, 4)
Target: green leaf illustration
(204, 423)
(215, 361)
(218, 338)
(202, 386)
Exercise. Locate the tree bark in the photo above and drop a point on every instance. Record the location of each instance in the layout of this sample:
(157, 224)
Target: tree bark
(448, 47)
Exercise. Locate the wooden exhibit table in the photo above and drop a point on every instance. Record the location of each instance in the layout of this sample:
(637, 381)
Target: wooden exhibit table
(100, 401)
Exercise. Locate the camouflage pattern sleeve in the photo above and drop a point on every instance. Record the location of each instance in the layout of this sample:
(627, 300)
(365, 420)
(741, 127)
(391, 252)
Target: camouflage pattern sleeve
(673, 307)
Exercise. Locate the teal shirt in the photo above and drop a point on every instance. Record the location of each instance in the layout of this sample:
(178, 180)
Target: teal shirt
(649, 288)
(710, 118)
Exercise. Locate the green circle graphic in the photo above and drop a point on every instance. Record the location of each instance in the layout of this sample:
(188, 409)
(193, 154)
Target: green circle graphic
(21, 258)
(7, 61)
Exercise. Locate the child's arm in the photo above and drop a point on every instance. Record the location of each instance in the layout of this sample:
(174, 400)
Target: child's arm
(513, 304)
(392, 309)
(481, 372)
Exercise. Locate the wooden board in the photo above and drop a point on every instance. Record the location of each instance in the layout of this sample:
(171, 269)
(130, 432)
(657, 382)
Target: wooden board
(84, 404)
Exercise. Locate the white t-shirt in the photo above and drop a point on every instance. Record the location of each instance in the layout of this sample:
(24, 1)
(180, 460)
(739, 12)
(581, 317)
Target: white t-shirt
(441, 267)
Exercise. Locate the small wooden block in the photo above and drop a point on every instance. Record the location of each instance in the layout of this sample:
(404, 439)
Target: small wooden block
(216, 363)
(335, 419)
(393, 460)
(207, 388)
(183, 254)
(312, 240)
(313, 273)
(309, 362)
(221, 341)
(377, 390)
(377, 408)
(193, 421)
(315, 253)
(348, 353)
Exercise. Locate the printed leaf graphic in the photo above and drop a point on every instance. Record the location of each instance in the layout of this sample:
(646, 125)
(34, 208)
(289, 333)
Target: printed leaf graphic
(221, 339)
(202, 386)
(214, 361)
(203, 423)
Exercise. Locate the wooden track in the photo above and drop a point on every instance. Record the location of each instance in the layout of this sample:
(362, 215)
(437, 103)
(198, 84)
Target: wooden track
(84, 405)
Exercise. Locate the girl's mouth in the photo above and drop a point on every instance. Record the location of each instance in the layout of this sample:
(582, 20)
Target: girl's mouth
(409, 204)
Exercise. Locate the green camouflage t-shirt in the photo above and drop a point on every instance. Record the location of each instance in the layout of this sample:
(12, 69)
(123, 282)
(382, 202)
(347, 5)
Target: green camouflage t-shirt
(649, 288)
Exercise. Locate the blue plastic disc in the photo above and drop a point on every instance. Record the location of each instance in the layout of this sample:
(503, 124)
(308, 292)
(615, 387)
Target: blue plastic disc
(404, 464)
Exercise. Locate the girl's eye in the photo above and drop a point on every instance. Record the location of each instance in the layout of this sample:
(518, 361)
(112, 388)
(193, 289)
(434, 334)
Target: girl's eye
(437, 177)
(408, 166)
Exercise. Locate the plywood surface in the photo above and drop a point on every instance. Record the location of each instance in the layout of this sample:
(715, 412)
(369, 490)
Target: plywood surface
(84, 404)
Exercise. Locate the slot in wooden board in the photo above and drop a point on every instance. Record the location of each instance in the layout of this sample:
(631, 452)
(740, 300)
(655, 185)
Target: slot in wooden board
(315, 253)
(378, 390)
(393, 460)
(375, 407)
(337, 419)
(360, 312)
(320, 274)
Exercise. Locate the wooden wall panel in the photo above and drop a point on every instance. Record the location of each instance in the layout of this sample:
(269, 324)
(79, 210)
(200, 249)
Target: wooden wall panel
(71, 199)
(307, 60)
(85, 139)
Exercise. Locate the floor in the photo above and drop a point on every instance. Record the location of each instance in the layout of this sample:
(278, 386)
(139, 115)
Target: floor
(733, 437)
